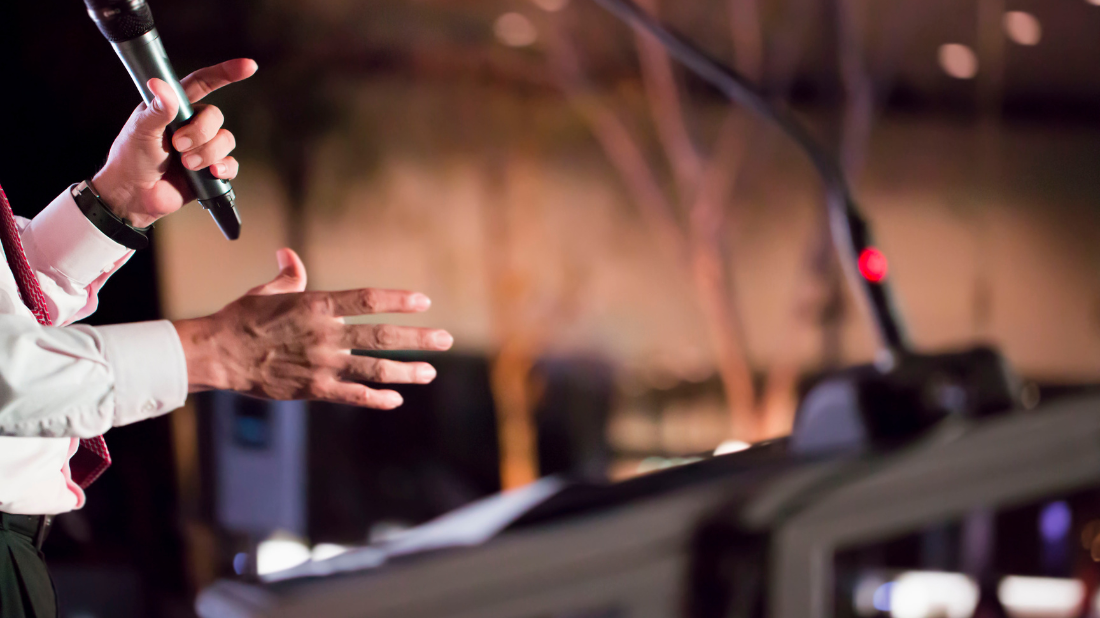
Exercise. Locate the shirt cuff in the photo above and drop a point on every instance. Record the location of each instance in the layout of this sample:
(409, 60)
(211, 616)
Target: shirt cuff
(149, 367)
(62, 237)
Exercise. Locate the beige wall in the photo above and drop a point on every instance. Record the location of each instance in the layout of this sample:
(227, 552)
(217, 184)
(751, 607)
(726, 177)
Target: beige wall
(576, 249)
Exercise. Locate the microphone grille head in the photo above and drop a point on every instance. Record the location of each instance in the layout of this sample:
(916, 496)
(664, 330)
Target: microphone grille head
(121, 20)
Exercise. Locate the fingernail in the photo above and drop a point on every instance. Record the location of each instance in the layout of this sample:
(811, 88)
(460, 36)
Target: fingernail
(425, 373)
(157, 104)
(419, 301)
(183, 143)
(394, 400)
(221, 168)
(192, 161)
(444, 341)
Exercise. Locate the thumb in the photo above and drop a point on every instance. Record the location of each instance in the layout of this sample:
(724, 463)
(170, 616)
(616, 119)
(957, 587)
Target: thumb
(160, 111)
(291, 277)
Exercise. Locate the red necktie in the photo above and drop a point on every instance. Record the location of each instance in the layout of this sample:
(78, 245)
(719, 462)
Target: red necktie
(92, 458)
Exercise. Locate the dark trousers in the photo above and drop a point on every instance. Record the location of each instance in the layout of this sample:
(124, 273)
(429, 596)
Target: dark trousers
(26, 590)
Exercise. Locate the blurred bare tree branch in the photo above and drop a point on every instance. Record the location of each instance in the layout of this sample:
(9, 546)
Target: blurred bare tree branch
(692, 226)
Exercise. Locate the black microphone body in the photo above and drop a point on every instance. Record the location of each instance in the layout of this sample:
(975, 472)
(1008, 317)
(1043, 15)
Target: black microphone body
(128, 25)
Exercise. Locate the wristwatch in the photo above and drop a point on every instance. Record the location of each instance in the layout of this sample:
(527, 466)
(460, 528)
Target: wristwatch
(114, 227)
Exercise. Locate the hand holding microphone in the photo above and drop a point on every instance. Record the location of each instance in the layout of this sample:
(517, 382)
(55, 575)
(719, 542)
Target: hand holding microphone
(138, 182)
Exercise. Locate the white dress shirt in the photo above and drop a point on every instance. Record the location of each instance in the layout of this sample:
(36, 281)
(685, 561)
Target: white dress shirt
(60, 383)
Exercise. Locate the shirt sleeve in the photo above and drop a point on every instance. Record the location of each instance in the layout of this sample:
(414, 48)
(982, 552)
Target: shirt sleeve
(71, 257)
(81, 380)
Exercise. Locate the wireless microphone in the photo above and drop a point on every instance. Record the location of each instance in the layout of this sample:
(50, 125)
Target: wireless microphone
(128, 25)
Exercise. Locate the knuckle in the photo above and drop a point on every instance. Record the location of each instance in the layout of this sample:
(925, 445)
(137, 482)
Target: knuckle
(213, 149)
(208, 152)
(205, 133)
(223, 142)
(385, 336)
(369, 300)
(202, 84)
(365, 397)
(199, 128)
(320, 304)
(316, 388)
(426, 339)
(384, 371)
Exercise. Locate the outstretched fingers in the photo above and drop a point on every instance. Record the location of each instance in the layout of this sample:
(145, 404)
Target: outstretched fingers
(390, 337)
(358, 395)
(349, 390)
(368, 301)
(385, 371)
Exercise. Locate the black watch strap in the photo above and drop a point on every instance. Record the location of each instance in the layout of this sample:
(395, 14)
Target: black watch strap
(114, 227)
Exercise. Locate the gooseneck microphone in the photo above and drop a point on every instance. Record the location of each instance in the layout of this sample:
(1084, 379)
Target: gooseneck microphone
(128, 25)
(850, 232)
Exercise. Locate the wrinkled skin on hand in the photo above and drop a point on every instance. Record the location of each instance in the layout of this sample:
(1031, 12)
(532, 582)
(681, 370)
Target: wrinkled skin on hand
(280, 342)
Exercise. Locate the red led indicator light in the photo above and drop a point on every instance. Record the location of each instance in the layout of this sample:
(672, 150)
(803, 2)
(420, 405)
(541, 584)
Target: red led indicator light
(872, 265)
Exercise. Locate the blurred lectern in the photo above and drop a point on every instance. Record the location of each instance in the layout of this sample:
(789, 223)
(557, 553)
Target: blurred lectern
(757, 533)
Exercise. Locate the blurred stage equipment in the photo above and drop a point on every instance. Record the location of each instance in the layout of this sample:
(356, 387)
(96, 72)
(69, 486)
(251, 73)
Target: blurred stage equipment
(752, 534)
(128, 25)
(912, 444)
(260, 462)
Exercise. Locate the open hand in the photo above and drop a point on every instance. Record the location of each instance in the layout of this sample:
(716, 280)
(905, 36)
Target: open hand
(137, 182)
(279, 342)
